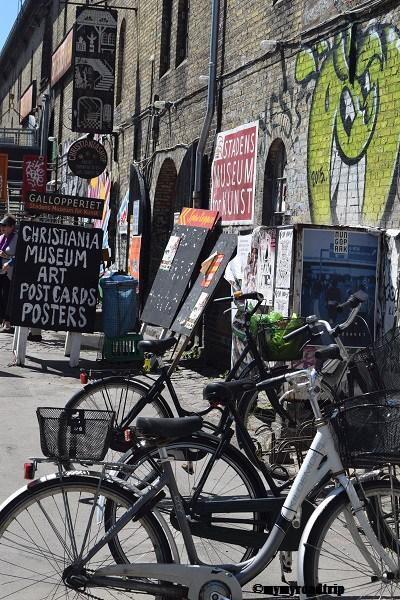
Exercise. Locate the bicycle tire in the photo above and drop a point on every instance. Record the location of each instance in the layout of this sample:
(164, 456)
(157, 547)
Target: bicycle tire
(35, 539)
(193, 452)
(320, 563)
(120, 395)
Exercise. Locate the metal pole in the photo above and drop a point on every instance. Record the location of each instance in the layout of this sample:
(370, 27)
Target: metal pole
(212, 70)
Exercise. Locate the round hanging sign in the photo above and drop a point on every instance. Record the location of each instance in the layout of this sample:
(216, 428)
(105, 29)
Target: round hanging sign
(87, 158)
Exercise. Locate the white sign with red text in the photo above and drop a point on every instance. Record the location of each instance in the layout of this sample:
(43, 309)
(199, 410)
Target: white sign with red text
(234, 174)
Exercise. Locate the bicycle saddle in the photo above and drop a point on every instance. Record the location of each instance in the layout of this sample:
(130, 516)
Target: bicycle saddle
(159, 430)
(157, 347)
(221, 392)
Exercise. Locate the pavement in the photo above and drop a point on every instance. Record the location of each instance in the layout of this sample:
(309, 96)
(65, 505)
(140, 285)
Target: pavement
(48, 380)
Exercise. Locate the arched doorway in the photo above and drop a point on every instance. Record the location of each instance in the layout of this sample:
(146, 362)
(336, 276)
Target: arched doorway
(275, 184)
(163, 214)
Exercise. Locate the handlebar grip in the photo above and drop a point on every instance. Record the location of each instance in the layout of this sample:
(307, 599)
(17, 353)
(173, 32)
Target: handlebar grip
(272, 382)
(249, 296)
(353, 301)
(295, 333)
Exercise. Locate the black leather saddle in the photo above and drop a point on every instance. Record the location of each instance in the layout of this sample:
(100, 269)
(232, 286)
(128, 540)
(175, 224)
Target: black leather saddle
(160, 431)
(221, 392)
(157, 347)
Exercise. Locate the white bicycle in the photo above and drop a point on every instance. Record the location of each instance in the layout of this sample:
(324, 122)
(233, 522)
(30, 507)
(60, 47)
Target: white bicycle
(81, 535)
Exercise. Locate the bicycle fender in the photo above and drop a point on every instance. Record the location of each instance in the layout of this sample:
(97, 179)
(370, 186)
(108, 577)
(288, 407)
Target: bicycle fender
(308, 528)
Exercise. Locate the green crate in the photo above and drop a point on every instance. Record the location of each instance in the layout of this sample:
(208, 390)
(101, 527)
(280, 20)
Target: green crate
(123, 348)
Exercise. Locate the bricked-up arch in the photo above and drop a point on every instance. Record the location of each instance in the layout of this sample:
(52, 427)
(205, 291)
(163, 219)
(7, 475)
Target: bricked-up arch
(274, 184)
(163, 213)
(121, 63)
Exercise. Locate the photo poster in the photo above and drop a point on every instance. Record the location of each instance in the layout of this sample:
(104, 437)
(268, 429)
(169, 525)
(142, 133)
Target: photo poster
(283, 271)
(134, 258)
(173, 277)
(259, 270)
(56, 277)
(337, 263)
(199, 296)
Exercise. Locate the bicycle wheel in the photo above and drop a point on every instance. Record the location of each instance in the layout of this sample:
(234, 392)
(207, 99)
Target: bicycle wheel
(332, 557)
(232, 476)
(124, 397)
(40, 537)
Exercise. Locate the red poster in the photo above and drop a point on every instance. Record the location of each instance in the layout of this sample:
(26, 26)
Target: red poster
(34, 176)
(234, 175)
(134, 256)
(3, 177)
(198, 217)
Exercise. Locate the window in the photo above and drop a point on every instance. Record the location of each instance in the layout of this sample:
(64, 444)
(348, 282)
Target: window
(165, 50)
(275, 184)
(121, 62)
(182, 36)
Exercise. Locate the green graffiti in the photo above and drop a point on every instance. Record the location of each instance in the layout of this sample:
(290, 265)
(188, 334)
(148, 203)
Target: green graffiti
(354, 125)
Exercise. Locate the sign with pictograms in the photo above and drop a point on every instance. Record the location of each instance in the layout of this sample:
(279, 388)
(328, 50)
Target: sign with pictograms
(94, 69)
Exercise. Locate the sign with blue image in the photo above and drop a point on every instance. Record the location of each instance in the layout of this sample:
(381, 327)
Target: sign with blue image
(337, 263)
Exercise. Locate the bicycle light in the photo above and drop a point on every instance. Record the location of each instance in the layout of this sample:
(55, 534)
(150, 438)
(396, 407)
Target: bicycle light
(29, 470)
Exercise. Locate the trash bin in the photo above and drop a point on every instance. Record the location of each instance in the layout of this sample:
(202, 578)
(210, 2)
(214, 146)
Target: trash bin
(119, 304)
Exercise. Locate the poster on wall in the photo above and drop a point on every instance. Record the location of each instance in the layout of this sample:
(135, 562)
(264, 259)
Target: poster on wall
(56, 277)
(284, 259)
(95, 45)
(259, 270)
(335, 265)
(134, 257)
(233, 174)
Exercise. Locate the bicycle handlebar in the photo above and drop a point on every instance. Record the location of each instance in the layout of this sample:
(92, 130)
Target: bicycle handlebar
(241, 296)
(354, 302)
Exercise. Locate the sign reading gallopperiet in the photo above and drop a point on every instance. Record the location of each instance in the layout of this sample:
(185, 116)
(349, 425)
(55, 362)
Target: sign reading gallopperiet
(63, 204)
(56, 276)
(234, 175)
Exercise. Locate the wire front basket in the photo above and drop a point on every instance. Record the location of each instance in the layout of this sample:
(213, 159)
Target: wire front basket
(270, 339)
(368, 430)
(378, 365)
(75, 433)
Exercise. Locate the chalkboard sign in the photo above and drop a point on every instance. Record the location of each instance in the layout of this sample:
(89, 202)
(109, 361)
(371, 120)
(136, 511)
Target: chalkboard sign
(206, 282)
(55, 277)
(170, 285)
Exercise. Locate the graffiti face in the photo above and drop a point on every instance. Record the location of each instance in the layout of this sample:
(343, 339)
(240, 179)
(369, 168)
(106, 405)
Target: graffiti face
(354, 127)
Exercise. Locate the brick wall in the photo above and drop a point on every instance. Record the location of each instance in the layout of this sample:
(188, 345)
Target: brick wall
(333, 100)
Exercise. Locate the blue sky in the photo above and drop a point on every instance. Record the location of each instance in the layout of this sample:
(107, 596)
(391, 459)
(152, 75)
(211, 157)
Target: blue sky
(9, 11)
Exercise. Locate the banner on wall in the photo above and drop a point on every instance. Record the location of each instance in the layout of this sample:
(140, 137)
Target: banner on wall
(100, 187)
(337, 263)
(34, 175)
(233, 175)
(134, 257)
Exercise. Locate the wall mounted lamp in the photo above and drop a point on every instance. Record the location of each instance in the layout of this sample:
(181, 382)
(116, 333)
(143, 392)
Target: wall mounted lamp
(269, 45)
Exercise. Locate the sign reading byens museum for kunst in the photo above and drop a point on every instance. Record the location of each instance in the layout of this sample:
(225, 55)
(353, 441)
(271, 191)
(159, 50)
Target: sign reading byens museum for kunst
(56, 276)
(234, 174)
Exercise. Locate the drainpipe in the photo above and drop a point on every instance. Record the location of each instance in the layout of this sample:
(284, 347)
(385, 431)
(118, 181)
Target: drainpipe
(212, 68)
